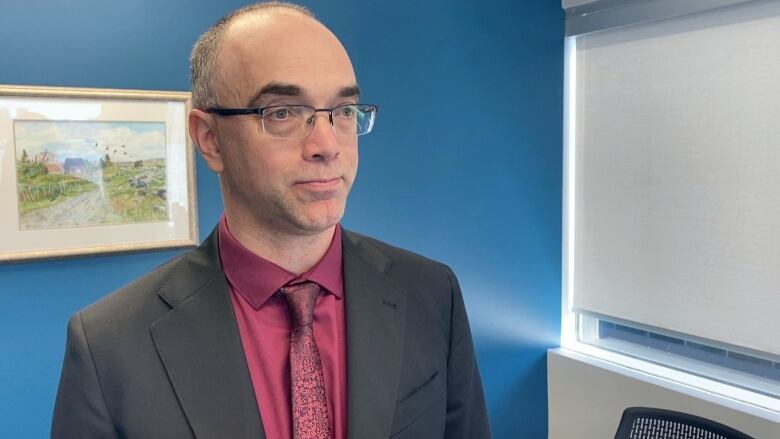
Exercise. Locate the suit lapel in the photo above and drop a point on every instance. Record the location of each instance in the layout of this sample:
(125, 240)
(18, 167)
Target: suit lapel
(200, 347)
(375, 314)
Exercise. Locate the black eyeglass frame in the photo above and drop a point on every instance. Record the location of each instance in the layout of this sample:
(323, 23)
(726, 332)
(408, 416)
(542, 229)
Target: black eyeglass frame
(259, 111)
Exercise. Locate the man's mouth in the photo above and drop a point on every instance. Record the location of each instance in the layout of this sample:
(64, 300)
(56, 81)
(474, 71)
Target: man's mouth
(321, 183)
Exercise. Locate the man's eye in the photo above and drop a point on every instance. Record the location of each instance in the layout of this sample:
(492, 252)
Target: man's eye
(347, 112)
(280, 113)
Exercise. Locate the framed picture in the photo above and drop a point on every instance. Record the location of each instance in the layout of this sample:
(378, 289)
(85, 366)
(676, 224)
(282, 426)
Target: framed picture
(86, 171)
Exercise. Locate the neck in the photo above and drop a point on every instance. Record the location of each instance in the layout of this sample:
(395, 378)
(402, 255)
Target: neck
(295, 253)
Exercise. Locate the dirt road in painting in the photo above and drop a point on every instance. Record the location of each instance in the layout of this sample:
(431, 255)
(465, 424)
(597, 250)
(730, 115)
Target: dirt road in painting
(87, 209)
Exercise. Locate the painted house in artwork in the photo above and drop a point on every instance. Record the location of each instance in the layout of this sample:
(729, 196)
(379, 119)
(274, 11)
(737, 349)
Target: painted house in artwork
(54, 168)
(75, 166)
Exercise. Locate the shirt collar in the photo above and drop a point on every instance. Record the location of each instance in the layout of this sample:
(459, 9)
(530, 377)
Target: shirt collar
(257, 279)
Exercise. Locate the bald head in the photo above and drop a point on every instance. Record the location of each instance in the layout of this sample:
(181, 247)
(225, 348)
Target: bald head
(260, 51)
(205, 60)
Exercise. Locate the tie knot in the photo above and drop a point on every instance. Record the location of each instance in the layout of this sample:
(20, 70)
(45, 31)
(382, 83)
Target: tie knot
(301, 299)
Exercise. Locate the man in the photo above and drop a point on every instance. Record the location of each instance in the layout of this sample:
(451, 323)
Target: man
(281, 324)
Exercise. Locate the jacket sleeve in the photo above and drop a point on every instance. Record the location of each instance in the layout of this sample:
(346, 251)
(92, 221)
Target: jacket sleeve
(467, 416)
(80, 410)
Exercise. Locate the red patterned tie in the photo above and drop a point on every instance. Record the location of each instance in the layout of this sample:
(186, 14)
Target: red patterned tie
(309, 406)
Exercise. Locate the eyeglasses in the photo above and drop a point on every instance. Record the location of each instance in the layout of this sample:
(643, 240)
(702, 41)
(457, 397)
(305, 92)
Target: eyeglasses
(294, 121)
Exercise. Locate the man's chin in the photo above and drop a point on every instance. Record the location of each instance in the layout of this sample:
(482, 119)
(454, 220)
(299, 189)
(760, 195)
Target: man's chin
(322, 220)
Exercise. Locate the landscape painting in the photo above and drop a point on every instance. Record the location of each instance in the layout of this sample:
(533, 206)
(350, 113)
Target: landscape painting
(90, 173)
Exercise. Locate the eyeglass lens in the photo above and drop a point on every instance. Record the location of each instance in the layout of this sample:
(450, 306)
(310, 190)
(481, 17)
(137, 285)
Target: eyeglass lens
(298, 120)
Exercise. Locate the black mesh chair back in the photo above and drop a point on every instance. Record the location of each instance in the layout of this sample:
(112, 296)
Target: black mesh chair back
(652, 423)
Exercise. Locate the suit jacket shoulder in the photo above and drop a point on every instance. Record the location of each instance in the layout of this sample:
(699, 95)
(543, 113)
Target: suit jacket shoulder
(159, 358)
(168, 284)
(401, 265)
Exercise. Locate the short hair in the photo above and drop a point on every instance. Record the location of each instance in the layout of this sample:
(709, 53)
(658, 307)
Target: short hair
(204, 58)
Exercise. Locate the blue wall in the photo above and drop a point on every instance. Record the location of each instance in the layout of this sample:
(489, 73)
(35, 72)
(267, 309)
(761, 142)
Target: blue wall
(464, 166)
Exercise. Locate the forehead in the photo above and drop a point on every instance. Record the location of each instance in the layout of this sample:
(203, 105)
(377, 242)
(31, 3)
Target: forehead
(282, 48)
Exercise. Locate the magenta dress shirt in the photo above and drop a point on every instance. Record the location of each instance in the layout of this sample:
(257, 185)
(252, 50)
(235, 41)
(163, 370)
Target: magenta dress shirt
(264, 326)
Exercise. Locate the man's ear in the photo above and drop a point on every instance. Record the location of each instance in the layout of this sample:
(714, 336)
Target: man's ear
(203, 133)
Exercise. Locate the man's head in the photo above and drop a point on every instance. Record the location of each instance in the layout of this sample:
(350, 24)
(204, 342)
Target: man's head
(266, 55)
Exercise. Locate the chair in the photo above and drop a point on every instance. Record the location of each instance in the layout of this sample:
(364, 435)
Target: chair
(652, 423)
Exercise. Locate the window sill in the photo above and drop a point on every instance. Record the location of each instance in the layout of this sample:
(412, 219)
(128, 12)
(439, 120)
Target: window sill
(715, 392)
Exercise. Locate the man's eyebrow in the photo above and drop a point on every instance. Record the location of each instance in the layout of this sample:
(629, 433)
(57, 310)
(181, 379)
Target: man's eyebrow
(282, 89)
(276, 88)
(348, 92)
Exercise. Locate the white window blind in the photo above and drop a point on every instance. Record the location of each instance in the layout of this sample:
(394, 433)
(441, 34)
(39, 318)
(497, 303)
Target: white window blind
(677, 175)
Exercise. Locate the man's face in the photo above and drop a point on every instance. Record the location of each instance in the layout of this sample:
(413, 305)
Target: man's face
(293, 186)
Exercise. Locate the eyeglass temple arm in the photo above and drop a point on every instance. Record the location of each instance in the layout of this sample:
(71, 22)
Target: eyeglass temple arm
(234, 111)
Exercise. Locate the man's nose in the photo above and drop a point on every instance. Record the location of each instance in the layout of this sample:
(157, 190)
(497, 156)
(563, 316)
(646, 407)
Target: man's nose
(321, 143)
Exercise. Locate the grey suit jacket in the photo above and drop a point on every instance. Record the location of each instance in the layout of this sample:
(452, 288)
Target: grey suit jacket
(162, 357)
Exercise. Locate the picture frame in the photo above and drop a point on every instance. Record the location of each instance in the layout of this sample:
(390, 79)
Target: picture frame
(87, 171)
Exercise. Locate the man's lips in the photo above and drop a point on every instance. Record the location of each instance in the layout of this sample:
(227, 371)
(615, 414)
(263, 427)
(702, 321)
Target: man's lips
(320, 183)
